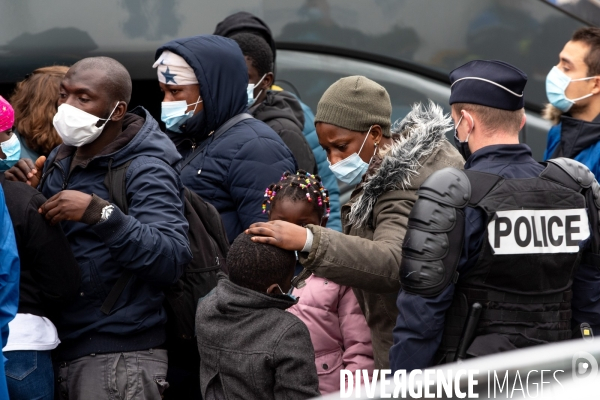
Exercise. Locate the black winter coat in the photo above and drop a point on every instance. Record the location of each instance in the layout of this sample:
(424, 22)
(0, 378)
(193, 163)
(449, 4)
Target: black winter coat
(283, 113)
(49, 271)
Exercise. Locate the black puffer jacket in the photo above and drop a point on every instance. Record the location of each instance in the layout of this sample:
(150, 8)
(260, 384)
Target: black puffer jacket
(283, 113)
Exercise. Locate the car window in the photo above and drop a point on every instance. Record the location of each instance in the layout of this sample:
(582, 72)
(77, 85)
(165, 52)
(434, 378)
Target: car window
(434, 34)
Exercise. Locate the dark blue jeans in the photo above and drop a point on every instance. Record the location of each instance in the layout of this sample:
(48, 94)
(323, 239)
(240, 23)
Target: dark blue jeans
(29, 375)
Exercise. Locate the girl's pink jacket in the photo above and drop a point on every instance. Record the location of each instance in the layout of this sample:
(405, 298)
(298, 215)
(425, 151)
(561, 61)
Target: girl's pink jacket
(338, 330)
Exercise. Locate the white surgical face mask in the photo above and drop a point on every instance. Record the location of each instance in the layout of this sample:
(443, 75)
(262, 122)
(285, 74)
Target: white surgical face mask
(77, 127)
(556, 84)
(250, 91)
(351, 169)
(173, 113)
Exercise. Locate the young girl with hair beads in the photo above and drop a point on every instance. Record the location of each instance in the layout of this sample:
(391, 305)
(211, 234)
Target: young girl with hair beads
(337, 326)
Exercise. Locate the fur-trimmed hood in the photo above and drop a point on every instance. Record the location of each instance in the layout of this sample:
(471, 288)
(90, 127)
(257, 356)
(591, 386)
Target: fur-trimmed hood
(416, 137)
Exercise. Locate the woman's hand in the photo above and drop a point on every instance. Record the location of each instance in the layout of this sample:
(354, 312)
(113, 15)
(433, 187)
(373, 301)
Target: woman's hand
(278, 233)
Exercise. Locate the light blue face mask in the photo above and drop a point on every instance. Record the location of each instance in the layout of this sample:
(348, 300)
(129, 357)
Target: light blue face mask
(556, 84)
(12, 150)
(173, 113)
(250, 91)
(351, 169)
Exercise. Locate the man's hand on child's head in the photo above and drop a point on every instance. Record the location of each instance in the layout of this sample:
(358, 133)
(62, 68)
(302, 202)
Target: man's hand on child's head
(278, 233)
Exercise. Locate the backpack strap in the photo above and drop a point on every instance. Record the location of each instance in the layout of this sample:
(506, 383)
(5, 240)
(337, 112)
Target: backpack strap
(221, 130)
(115, 182)
(116, 185)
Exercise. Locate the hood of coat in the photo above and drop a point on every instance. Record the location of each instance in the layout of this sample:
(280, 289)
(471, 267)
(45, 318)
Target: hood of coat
(141, 136)
(221, 71)
(280, 105)
(416, 137)
(232, 298)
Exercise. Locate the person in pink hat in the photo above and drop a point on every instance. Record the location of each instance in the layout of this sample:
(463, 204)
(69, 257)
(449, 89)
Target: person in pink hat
(10, 148)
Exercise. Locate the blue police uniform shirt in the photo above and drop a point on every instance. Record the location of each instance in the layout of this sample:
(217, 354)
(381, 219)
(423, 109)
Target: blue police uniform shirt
(420, 322)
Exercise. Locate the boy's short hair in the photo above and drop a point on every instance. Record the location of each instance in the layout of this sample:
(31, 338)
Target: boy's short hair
(257, 266)
(257, 49)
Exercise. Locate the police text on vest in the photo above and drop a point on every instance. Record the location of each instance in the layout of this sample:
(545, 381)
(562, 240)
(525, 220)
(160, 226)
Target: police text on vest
(538, 231)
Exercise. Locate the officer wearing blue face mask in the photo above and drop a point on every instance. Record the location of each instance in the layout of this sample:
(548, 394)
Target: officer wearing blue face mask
(503, 254)
(573, 88)
(10, 147)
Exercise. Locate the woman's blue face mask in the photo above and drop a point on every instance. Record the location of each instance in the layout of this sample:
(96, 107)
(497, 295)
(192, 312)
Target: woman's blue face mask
(351, 169)
(12, 150)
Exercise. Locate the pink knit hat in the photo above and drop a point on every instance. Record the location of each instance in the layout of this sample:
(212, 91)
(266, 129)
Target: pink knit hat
(7, 115)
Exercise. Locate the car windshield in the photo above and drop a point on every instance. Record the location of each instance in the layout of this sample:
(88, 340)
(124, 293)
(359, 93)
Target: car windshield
(437, 36)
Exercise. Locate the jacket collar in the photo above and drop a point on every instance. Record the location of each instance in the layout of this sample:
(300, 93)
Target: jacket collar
(500, 154)
(576, 135)
(416, 137)
(231, 297)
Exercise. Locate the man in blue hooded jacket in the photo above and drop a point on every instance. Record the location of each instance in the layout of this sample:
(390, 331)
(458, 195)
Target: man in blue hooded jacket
(116, 353)
(204, 80)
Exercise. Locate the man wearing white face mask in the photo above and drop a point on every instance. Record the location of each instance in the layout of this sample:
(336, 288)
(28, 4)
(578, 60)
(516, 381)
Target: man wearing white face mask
(107, 354)
(278, 109)
(573, 88)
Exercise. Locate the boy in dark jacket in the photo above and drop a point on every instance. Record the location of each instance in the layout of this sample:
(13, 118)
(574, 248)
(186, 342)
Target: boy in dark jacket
(270, 355)
(278, 109)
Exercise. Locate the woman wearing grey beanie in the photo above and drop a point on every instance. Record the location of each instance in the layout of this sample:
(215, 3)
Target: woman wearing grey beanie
(388, 164)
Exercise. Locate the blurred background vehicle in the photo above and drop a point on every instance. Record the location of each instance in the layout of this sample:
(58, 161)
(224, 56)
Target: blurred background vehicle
(409, 46)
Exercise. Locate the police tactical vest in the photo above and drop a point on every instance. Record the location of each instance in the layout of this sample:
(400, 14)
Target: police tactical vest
(530, 251)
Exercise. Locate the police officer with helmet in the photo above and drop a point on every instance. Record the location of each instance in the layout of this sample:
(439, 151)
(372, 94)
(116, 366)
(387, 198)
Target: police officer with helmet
(502, 255)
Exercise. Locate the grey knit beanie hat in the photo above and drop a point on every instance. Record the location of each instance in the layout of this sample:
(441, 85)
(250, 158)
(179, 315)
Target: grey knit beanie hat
(355, 103)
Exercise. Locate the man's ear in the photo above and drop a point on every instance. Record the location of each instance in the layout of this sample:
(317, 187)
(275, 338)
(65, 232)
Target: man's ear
(119, 112)
(272, 288)
(596, 87)
(268, 81)
(523, 120)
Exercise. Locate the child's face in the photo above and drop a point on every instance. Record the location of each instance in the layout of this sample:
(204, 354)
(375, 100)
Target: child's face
(295, 212)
